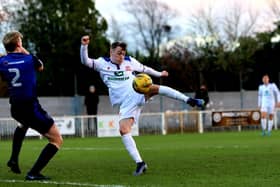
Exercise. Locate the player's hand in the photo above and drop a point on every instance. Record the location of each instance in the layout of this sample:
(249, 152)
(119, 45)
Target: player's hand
(41, 68)
(278, 105)
(85, 40)
(164, 73)
(24, 51)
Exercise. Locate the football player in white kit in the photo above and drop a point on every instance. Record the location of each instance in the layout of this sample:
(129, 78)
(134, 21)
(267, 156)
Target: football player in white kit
(117, 72)
(268, 94)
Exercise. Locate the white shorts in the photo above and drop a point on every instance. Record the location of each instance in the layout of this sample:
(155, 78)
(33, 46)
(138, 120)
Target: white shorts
(270, 109)
(132, 106)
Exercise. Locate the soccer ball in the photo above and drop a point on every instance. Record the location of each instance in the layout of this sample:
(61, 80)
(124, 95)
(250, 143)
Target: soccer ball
(142, 83)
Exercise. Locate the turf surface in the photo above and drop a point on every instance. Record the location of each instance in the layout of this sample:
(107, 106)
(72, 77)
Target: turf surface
(206, 160)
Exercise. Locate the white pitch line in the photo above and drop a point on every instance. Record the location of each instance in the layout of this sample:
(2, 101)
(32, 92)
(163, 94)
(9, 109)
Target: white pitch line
(91, 149)
(60, 183)
(94, 148)
(102, 149)
(145, 148)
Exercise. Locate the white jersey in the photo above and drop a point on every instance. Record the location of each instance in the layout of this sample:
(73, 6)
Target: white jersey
(267, 95)
(118, 78)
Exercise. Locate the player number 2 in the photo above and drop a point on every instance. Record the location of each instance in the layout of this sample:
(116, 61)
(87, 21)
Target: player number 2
(15, 79)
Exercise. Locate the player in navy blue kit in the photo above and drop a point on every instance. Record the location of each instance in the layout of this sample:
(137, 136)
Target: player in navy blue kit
(19, 68)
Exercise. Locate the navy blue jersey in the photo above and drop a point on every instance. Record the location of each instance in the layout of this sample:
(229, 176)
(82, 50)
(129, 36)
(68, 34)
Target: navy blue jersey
(19, 70)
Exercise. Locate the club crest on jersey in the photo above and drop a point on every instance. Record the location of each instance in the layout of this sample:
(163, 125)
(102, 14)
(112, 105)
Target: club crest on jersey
(127, 68)
(5, 63)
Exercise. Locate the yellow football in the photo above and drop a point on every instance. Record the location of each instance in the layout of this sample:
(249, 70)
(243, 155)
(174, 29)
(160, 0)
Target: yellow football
(142, 83)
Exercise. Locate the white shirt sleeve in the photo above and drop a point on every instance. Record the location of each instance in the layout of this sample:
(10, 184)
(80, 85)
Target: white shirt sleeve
(145, 69)
(276, 91)
(151, 71)
(84, 56)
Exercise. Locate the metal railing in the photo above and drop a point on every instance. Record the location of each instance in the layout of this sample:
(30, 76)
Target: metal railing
(149, 123)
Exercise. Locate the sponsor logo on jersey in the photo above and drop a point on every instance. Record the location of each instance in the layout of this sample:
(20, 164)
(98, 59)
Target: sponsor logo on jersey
(118, 73)
(118, 76)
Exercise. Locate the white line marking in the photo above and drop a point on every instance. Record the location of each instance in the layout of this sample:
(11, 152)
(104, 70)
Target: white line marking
(91, 149)
(147, 148)
(60, 183)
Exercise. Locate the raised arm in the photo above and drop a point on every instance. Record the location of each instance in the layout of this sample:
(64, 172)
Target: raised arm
(145, 69)
(155, 73)
(38, 63)
(84, 52)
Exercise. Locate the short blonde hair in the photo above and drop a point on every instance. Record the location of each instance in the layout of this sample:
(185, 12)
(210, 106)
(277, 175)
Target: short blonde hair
(10, 40)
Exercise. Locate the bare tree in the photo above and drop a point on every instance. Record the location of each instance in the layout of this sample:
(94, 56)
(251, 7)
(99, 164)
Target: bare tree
(203, 22)
(236, 22)
(239, 22)
(7, 13)
(116, 34)
(3, 11)
(273, 14)
(3, 15)
(8, 9)
(274, 6)
(150, 24)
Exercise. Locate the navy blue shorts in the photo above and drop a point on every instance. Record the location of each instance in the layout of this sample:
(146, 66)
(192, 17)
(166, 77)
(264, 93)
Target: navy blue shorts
(31, 114)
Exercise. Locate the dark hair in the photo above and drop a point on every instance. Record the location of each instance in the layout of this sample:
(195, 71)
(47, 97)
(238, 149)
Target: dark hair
(265, 74)
(123, 45)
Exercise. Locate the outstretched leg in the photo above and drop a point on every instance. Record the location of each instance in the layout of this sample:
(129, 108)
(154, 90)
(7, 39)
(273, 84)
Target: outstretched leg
(174, 94)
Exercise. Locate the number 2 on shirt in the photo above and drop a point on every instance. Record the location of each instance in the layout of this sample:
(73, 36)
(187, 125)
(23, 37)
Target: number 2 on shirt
(15, 79)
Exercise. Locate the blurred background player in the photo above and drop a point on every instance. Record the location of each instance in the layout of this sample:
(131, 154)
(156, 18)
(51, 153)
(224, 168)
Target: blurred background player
(19, 68)
(117, 72)
(202, 93)
(268, 93)
(91, 103)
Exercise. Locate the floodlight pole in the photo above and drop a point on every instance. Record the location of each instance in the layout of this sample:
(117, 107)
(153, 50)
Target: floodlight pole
(241, 90)
(160, 98)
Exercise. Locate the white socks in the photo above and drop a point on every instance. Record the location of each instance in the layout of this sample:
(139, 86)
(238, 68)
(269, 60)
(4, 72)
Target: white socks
(263, 123)
(130, 146)
(270, 125)
(172, 93)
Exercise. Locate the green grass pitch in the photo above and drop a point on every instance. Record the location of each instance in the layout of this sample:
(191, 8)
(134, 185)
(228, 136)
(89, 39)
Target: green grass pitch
(200, 160)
